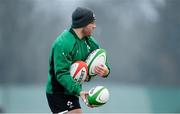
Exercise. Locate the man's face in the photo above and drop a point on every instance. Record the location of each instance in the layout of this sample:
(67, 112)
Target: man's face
(87, 30)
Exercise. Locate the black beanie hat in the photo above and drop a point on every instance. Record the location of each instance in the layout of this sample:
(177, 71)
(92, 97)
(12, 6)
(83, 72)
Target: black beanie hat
(82, 17)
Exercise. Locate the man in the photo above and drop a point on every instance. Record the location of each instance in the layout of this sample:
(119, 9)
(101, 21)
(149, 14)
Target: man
(73, 44)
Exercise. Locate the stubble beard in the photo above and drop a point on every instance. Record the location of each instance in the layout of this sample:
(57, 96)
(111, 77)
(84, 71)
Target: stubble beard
(86, 32)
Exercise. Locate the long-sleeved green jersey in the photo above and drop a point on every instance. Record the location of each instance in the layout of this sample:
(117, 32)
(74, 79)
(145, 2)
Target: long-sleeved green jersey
(67, 49)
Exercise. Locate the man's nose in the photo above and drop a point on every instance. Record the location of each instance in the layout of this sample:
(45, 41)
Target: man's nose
(94, 25)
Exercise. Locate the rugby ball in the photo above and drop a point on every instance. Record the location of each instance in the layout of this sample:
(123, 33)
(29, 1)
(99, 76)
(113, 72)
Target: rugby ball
(98, 96)
(97, 57)
(79, 71)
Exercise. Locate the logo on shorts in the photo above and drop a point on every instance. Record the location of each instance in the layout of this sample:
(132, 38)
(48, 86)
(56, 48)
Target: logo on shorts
(70, 104)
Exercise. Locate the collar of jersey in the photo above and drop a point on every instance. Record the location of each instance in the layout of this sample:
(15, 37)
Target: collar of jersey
(75, 35)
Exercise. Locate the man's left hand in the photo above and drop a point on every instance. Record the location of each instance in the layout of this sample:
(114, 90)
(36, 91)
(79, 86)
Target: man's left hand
(101, 70)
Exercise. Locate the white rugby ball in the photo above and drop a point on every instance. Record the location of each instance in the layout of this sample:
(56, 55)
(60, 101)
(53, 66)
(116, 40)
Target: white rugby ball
(98, 96)
(79, 71)
(97, 57)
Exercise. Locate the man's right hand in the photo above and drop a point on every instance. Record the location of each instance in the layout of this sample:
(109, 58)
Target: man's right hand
(83, 95)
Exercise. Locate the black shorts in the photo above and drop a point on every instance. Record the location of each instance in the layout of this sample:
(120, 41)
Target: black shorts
(60, 102)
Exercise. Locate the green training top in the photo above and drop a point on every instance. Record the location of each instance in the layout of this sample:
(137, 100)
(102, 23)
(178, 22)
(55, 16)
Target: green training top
(67, 49)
